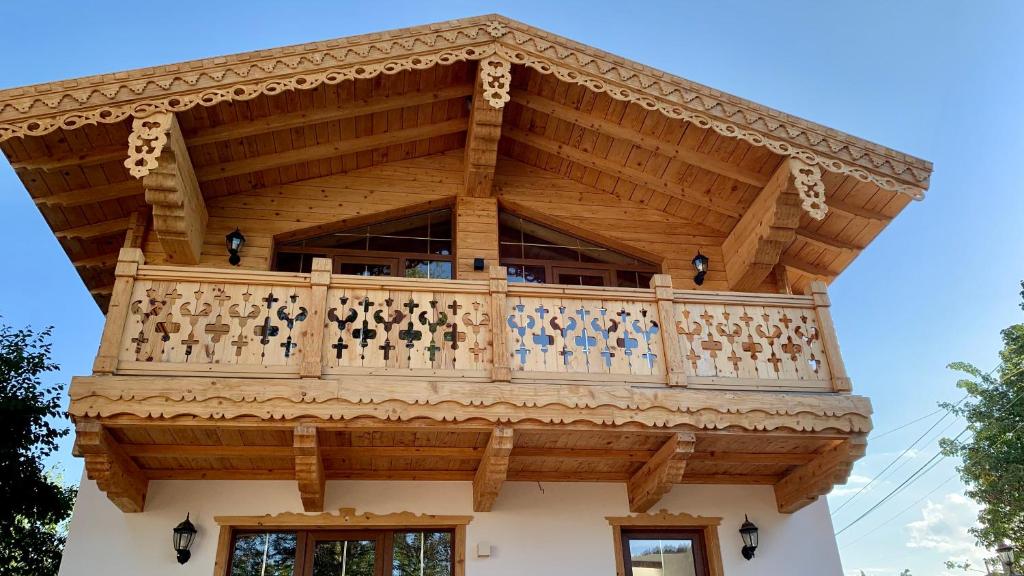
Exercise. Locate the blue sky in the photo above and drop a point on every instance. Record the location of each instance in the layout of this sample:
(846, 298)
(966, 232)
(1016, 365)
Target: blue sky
(938, 79)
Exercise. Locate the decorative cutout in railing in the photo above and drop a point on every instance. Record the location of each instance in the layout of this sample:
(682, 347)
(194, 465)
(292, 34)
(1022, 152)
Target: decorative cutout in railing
(750, 341)
(381, 328)
(584, 336)
(211, 323)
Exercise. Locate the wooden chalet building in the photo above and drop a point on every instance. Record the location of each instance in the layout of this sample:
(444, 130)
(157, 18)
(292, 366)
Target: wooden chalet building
(465, 332)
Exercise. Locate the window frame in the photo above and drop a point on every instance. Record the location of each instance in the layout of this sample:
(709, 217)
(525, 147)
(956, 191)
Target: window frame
(666, 524)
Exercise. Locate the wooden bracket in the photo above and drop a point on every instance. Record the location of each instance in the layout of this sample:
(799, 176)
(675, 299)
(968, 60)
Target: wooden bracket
(661, 472)
(816, 478)
(114, 472)
(493, 469)
(309, 467)
(766, 229)
(157, 155)
(490, 93)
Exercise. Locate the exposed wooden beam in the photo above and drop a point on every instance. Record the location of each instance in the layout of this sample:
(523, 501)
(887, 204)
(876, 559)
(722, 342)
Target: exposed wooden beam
(826, 241)
(158, 156)
(98, 230)
(816, 478)
(850, 209)
(108, 260)
(584, 158)
(493, 469)
(309, 467)
(485, 126)
(661, 472)
(353, 109)
(83, 196)
(113, 471)
(330, 150)
(104, 290)
(618, 131)
(806, 267)
(59, 161)
(769, 225)
(138, 223)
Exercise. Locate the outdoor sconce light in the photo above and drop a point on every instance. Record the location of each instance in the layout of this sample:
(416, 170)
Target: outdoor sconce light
(748, 531)
(184, 534)
(235, 241)
(700, 264)
(478, 264)
(1005, 553)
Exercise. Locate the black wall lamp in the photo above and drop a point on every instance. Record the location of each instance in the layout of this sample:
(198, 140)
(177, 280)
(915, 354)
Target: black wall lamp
(748, 531)
(478, 264)
(700, 264)
(184, 534)
(235, 241)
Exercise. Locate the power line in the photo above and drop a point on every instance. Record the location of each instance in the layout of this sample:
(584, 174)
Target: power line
(911, 423)
(901, 512)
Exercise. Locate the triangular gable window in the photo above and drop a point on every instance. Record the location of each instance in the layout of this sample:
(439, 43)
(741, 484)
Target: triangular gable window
(418, 246)
(539, 254)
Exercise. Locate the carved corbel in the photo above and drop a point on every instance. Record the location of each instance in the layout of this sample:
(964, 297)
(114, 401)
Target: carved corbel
(661, 472)
(309, 467)
(490, 93)
(114, 472)
(808, 184)
(817, 478)
(493, 469)
(157, 155)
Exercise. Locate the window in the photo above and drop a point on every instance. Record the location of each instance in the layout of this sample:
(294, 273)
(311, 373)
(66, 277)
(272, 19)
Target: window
(418, 246)
(536, 254)
(406, 552)
(667, 545)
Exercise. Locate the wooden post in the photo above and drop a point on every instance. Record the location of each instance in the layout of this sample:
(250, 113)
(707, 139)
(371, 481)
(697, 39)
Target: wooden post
(498, 288)
(840, 381)
(128, 261)
(674, 374)
(314, 327)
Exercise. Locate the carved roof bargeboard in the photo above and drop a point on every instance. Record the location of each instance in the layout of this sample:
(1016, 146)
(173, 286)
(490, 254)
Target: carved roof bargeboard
(109, 98)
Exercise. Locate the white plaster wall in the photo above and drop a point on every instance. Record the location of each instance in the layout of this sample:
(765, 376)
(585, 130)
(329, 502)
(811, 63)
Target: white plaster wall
(561, 531)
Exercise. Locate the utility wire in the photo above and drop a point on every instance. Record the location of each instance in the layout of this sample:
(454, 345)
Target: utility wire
(911, 423)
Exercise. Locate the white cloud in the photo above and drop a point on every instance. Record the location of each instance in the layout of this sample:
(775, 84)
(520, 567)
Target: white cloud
(943, 528)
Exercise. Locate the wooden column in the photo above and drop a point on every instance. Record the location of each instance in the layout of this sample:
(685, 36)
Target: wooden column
(128, 261)
(113, 471)
(314, 328)
(674, 367)
(158, 155)
(501, 370)
(490, 93)
(661, 472)
(493, 469)
(829, 341)
(309, 467)
(756, 243)
(476, 236)
(817, 478)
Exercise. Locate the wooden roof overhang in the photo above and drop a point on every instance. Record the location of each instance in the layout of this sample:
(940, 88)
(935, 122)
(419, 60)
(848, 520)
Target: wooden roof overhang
(269, 117)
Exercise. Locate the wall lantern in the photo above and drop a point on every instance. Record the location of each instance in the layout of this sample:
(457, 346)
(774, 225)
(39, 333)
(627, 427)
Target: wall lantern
(1005, 553)
(748, 531)
(235, 241)
(184, 534)
(700, 264)
(478, 264)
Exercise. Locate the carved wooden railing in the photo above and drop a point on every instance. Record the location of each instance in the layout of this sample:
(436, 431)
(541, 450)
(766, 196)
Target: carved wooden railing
(177, 320)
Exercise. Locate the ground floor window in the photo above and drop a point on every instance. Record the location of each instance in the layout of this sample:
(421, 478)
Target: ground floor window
(343, 553)
(666, 544)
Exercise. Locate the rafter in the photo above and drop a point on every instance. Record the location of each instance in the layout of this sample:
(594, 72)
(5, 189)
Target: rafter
(159, 157)
(60, 161)
(754, 246)
(816, 478)
(850, 209)
(83, 196)
(361, 107)
(665, 469)
(330, 150)
(113, 471)
(493, 469)
(826, 241)
(493, 76)
(98, 230)
(634, 176)
(618, 131)
(309, 467)
(108, 260)
(806, 267)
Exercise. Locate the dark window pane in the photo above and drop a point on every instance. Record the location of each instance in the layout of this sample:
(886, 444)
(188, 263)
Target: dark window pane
(662, 557)
(509, 250)
(581, 280)
(643, 279)
(557, 253)
(534, 274)
(264, 554)
(358, 269)
(398, 244)
(287, 262)
(342, 241)
(422, 554)
(442, 247)
(441, 225)
(348, 557)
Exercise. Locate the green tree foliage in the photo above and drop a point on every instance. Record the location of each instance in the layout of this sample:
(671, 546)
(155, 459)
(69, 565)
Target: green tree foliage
(993, 454)
(33, 505)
